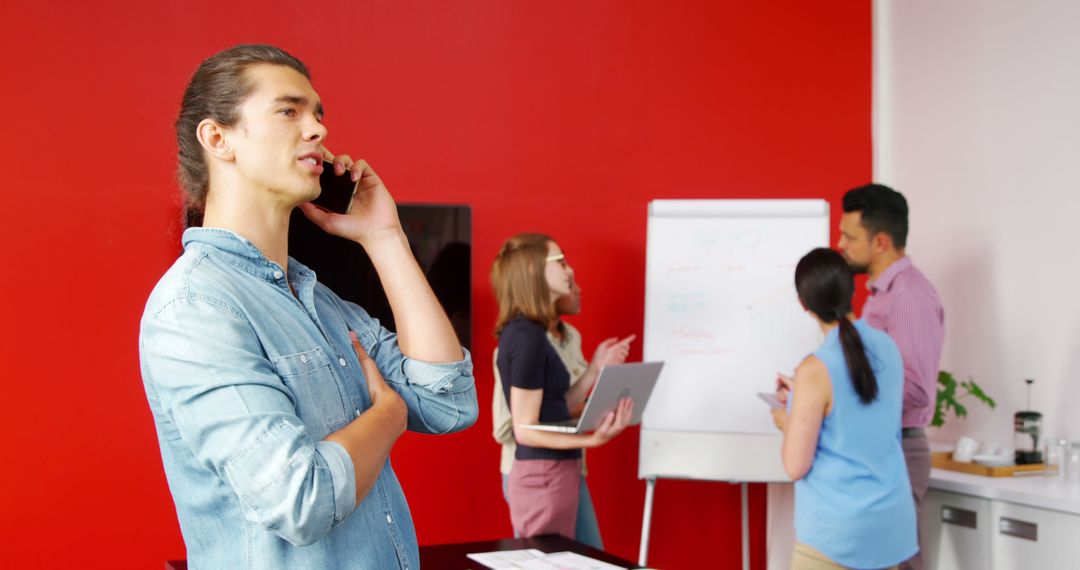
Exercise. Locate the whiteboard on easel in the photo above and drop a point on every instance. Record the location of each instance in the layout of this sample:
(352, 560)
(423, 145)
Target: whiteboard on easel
(721, 309)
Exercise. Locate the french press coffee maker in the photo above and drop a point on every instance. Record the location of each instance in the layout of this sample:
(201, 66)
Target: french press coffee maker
(1027, 428)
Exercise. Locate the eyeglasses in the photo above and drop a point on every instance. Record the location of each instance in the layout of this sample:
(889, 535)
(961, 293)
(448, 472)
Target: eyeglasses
(560, 257)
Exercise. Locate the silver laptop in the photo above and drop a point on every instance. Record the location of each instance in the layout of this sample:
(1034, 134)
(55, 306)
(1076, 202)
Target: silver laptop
(616, 381)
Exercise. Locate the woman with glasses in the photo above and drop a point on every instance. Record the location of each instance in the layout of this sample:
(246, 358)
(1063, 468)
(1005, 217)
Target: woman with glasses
(529, 276)
(853, 505)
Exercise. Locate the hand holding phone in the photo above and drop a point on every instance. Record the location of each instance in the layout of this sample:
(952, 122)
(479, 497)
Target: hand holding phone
(373, 215)
(337, 191)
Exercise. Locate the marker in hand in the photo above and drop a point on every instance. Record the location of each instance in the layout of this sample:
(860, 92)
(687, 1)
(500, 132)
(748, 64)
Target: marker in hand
(784, 384)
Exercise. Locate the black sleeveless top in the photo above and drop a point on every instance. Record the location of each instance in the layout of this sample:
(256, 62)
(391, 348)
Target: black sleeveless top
(527, 360)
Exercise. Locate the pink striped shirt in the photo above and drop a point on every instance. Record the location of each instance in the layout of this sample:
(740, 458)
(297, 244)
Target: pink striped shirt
(905, 305)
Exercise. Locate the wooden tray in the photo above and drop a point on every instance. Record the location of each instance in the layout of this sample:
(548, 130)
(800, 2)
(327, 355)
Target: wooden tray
(943, 460)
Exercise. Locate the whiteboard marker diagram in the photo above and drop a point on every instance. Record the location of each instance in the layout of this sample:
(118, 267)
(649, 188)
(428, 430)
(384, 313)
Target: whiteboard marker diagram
(722, 312)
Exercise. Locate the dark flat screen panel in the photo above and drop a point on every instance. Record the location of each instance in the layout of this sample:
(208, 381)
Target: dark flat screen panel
(440, 237)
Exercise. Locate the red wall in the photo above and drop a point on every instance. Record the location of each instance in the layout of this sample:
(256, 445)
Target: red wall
(565, 117)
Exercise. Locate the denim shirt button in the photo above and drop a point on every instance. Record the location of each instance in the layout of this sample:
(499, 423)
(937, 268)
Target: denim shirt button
(389, 519)
(357, 412)
(277, 275)
(341, 361)
(303, 358)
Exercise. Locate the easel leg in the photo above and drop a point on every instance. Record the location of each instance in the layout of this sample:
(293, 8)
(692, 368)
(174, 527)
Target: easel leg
(745, 492)
(646, 520)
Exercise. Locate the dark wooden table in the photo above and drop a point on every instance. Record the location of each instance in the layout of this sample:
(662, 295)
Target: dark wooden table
(453, 556)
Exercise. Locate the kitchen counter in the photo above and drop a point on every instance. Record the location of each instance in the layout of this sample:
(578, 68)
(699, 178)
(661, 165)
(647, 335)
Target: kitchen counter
(1051, 492)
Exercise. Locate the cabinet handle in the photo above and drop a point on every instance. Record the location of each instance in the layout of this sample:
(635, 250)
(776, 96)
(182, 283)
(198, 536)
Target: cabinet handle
(960, 517)
(1019, 529)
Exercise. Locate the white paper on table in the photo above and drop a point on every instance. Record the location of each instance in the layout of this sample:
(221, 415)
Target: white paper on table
(533, 559)
(506, 559)
(575, 561)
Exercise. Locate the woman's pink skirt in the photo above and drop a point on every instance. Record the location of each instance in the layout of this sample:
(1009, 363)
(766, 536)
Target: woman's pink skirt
(543, 496)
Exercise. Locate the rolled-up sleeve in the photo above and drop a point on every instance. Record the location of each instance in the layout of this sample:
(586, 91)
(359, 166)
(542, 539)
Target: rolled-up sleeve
(237, 419)
(342, 475)
(438, 377)
(441, 397)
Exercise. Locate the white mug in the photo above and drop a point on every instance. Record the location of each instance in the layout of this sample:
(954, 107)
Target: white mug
(965, 449)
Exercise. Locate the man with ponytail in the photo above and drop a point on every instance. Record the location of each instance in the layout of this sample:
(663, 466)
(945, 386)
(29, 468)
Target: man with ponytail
(276, 402)
(853, 506)
(904, 304)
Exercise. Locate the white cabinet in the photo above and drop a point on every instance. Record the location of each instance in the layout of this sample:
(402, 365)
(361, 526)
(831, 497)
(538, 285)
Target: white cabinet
(1028, 537)
(963, 532)
(956, 531)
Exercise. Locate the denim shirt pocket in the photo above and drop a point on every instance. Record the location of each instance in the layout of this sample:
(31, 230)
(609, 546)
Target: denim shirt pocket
(316, 394)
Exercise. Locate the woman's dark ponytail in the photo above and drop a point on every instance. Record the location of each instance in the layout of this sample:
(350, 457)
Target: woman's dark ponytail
(825, 284)
(862, 375)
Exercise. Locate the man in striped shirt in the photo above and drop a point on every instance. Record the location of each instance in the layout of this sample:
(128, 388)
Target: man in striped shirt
(904, 304)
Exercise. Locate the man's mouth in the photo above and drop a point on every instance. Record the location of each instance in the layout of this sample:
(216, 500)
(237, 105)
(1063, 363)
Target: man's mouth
(313, 162)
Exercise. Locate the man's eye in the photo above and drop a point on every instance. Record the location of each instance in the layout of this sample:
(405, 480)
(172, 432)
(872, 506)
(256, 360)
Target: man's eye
(288, 112)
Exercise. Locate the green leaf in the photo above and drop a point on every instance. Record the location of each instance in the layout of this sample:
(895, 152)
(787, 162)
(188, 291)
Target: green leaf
(948, 397)
(948, 392)
(977, 391)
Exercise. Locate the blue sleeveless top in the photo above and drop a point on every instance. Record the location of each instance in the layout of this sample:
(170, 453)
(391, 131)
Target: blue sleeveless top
(855, 504)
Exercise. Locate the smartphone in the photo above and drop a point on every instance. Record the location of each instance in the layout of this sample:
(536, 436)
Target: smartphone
(771, 400)
(337, 191)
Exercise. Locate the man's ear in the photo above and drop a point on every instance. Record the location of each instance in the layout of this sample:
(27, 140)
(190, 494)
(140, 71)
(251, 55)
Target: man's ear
(213, 138)
(881, 242)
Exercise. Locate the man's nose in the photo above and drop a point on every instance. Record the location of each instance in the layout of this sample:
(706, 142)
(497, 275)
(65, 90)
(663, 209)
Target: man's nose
(315, 131)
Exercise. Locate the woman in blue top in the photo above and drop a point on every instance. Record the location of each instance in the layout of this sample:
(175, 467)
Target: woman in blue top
(853, 505)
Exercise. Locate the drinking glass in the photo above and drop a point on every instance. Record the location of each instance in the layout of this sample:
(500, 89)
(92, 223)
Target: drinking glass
(1072, 462)
(1057, 449)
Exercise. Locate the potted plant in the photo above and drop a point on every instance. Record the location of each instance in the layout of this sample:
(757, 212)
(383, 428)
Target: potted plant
(949, 395)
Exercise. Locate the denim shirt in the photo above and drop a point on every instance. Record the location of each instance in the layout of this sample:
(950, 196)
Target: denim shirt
(245, 380)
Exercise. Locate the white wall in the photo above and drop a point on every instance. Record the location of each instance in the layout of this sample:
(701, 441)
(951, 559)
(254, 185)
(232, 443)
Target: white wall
(977, 122)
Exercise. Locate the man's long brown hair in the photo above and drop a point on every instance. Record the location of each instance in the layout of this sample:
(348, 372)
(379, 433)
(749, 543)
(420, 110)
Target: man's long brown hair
(518, 279)
(216, 91)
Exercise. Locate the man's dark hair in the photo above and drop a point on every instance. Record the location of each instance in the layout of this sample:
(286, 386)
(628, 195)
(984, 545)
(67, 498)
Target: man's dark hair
(882, 210)
(217, 89)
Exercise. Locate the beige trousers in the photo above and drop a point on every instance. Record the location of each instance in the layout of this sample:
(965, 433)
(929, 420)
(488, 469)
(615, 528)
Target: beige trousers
(808, 558)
